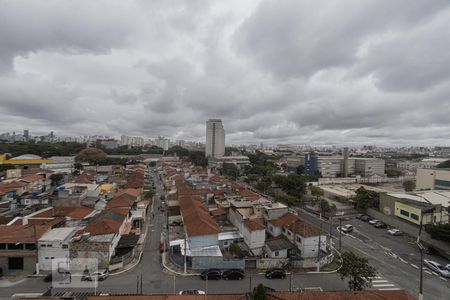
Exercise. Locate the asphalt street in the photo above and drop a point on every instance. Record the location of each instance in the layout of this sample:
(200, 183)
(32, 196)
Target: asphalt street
(396, 258)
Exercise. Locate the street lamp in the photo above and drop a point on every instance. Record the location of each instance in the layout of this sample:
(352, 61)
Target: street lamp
(421, 249)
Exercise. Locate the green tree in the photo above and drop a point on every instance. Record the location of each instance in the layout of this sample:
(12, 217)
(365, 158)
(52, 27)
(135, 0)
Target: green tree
(198, 158)
(235, 250)
(439, 232)
(365, 198)
(293, 184)
(56, 178)
(230, 170)
(287, 200)
(445, 164)
(178, 150)
(393, 172)
(260, 292)
(149, 194)
(409, 185)
(357, 270)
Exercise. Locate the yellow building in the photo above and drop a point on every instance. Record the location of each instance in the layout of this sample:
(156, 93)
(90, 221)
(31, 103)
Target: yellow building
(24, 161)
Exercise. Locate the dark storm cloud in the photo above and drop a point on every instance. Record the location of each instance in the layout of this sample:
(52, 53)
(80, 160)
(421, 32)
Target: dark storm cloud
(321, 72)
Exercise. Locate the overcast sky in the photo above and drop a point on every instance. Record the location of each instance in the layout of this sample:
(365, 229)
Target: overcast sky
(281, 71)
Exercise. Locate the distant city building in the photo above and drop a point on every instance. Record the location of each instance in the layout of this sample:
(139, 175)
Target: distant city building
(336, 166)
(26, 135)
(133, 141)
(430, 179)
(109, 143)
(215, 138)
(162, 142)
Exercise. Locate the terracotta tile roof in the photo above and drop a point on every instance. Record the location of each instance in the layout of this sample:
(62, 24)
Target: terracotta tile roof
(304, 228)
(285, 220)
(103, 226)
(75, 212)
(343, 295)
(253, 225)
(31, 178)
(14, 184)
(218, 212)
(249, 195)
(129, 191)
(196, 217)
(36, 171)
(26, 234)
(120, 201)
(20, 253)
(309, 295)
(171, 297)
(85, 177)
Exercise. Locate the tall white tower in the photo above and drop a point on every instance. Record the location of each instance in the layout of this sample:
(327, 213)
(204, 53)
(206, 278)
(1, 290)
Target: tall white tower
(215, 138)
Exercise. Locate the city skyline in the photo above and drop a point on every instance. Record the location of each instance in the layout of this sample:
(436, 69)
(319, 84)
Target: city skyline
(257, 65)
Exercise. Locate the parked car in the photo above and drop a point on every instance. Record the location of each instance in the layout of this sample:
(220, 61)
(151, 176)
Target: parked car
(394, 231)
(162, 246)
(275, 273)
(211, 274)
(432, 251)
(437, 267)
(365, 218)
(233, 274)
(373, 221)
(346, 228)
(191, 292)
(380, 224)
(99, 276)
(448, 267)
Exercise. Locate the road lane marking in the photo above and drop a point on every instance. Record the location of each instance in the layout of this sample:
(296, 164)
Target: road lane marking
(434, 273)
(383, 285)
(428, 272)
(442, 278)
(402, 260)
(414, 266)
(379, 281)
(389, 289)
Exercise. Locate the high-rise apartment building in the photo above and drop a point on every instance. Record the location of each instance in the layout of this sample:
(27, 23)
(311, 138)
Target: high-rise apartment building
(215, 138)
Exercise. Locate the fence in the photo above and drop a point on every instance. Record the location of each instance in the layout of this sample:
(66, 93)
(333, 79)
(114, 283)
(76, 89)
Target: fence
(120, 261)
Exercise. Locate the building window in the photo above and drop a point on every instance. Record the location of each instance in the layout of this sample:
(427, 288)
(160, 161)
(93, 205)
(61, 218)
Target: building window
(284, 229)
(404, 213)
(415, 217)
(277, 253)
(299, 240)
(270, 228)
(30, 246)
(2, 246)
(67, 246)
(43, 245)
(289, 233)
(17, 246)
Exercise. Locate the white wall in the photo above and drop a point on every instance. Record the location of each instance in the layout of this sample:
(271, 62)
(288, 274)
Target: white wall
(273, 230)
(309, 246)
(46, 254)
(203, 240)
(254, 239)
(281, 253)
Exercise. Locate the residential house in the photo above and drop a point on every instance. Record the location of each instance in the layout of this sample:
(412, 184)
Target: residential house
(18, 247)
(254, 235)
(54, 244)
(304, 235)
(279, 247)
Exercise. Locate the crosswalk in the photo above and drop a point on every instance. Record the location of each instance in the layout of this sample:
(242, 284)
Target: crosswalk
(382, 284)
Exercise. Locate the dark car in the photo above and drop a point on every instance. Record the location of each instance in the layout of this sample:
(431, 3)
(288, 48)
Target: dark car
(275, 273)
(233, 274)
(365, 218)
(379, 225)
(211, 274)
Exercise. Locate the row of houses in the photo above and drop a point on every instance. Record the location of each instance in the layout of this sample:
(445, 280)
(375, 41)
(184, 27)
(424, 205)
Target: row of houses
(81, 220)
(209, 213)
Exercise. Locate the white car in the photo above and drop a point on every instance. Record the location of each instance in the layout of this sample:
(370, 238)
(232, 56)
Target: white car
(437, 267)
(98, 276)
(191, 292)
(394, 231)
(373, 221)
(346, 228)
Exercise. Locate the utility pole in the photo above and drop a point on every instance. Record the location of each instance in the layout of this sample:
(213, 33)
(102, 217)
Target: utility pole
(318, 249)
(141, 285)
(174, 284)
(340, 233)
(185, 254)
(290, 282)
(421, 249)
(250, 285)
